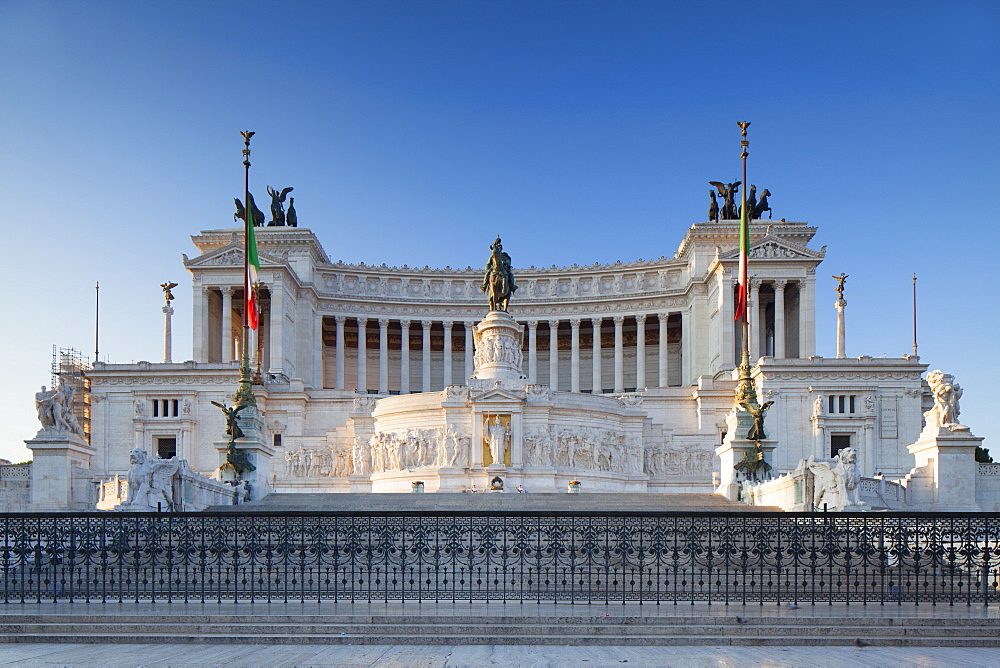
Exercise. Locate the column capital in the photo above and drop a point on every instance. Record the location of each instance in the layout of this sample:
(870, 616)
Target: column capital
(447, 324)
(619, 320)
(532, 325)
(383, 323)
(405, 324)
(596, 321)
(640, 319)
(361, 321)
(663, 315)
(575, 322)
(553, 324)
(779, 283)
(755, 283)
(229, 290)
(426, 324)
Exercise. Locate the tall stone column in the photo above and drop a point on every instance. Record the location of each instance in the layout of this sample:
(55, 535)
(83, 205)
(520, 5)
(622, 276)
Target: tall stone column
(532, 351)
(319, 352)
(339, 320)
(640, 352)
(597, 382)
(404, 357)
(688, 343)
(779, 318)
(226, 336)
(664, 379)
(554, 354)
(574, 355)
(728, 346)
(447, 352)
(841, 304)
(383, 355)
(425, 381)
(807, 315)
(755, 319)
(199, 319)
(168, 338)
(363, 355)
(470, 367)
(277, 343)
(619, 321)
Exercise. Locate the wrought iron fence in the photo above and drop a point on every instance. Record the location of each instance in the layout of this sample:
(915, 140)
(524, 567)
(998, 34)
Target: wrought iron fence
(524, 556)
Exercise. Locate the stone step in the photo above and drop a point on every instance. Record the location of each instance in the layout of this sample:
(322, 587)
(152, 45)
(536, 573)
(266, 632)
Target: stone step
(562, 639)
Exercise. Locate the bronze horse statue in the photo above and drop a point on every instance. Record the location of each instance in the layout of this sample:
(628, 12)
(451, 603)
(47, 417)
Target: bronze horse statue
(498, 283)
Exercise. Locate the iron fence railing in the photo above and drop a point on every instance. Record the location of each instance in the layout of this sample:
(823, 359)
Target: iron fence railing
(517, 556)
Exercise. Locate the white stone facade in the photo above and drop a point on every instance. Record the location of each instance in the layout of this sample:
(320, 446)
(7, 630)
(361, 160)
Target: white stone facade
(355, 356)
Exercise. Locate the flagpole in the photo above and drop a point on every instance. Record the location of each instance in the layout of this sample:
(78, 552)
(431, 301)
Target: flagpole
(914, 315)
(97, 319)
(244, 395)
(745, 392)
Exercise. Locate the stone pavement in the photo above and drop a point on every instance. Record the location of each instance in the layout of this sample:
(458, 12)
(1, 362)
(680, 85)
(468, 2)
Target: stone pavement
(418, 656)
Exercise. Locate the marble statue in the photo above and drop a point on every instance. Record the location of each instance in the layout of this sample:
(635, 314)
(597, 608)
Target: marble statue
(498, 283)
(837, 481)
(756, 431)
(728, 193)
(498, 439)
(55, 409)
(277, 206)
(150, 482)
(946, 395)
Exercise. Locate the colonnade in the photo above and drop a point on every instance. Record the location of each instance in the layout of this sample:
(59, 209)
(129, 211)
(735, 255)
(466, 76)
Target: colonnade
(448, 346)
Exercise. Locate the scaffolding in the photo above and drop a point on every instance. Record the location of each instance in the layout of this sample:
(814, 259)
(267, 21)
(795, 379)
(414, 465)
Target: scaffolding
(69, 367)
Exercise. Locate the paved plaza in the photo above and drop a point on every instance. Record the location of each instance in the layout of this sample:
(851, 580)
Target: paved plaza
(414, 656)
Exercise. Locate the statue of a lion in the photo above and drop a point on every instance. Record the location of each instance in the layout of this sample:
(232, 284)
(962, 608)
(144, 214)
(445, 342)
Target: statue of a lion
(837, 480)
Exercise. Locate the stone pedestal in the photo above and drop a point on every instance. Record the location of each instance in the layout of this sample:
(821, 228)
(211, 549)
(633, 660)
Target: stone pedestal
(258, 452)
(841, 304)
(498, 347)
(732, 451)
(948, 454)
(54, 456)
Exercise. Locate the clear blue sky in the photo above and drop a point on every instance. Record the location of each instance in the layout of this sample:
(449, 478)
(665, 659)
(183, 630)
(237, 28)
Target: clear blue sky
(584, 131)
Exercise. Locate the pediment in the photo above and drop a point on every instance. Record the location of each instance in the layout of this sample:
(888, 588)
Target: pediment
(499, 396)
(773, 247)
(229, 255)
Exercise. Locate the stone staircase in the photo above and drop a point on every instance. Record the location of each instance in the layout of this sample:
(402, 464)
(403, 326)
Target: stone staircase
(737, 625)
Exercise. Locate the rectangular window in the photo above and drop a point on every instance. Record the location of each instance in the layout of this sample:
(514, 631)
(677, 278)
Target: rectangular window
(853, 397)
(842, 403)
(277, 440)
(166, 447)
(838, 442)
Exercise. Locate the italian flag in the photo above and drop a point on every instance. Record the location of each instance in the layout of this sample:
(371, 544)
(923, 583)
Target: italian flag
(741, 299)
(253, 266)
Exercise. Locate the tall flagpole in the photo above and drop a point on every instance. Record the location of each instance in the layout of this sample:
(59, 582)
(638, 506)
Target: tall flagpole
(244, 395)
(97, 319)
(915, 315)
(745, 392)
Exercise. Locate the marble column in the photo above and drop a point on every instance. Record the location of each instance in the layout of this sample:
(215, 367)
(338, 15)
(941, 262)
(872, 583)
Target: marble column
(319, 351)
(363, 355)
(619, 321)
(554, 354)
(664, 379)
(688, 346)
(339, 319)
(168, 336)
(597, 382)
(226, 335)
(277, 315)
(199, 315)
(779, 319)
(727, 343)
(841, 304)
(404, 357)
(532, 351)
(756, 328)
(574, 358)
(425, 380)
(447, 352)
(640, 352)
(470, 367)
(383, 355)
(807, 315)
